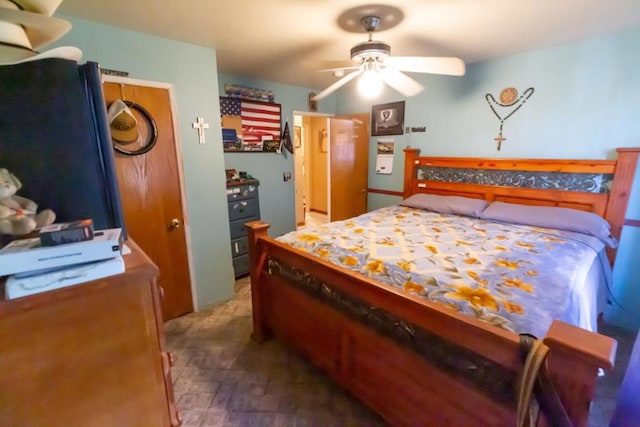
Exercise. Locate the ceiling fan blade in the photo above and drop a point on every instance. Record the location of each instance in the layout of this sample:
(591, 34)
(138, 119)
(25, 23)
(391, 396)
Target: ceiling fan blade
(346, 79)
(447, 65)
(400, 82)
(323, 65)
(355, 67)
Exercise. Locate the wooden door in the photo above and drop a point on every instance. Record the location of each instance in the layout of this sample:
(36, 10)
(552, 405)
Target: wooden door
(152, 198)
(349, 164)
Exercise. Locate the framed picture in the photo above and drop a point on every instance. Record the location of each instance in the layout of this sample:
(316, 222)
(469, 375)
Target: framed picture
(387, 119)
(271, 146)
(322, 136)
(297, 136)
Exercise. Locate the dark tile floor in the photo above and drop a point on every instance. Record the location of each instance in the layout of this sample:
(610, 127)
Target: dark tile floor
(222, 378)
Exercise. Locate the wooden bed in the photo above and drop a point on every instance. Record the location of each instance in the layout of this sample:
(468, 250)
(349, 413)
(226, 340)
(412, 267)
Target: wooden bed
(467, 374)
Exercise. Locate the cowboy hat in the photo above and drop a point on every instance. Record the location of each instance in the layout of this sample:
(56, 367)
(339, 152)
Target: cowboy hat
(10, 55)
(122, 122)
(28, 29)
(21, 32)
(43, 7)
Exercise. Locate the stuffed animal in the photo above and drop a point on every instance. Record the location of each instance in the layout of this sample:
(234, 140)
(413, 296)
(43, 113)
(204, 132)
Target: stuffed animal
(19, 215)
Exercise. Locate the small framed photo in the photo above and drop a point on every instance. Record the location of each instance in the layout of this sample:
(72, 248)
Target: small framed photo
(387, 119)
(297, 136)
(322, 135)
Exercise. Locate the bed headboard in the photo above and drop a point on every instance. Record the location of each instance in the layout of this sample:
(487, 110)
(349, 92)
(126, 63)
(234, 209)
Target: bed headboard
(599, 186)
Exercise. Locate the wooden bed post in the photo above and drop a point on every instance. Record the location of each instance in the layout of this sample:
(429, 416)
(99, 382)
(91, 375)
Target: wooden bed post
(257, 229)
(574, 359)
(410, 156)
(622, 183)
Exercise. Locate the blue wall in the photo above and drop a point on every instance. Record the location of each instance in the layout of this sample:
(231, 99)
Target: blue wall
(584, 105)
(193, 72)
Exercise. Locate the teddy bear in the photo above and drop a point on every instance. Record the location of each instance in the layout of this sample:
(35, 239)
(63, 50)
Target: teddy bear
(19, 215)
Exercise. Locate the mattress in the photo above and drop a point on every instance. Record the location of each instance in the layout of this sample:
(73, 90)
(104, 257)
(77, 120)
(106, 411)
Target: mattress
(513, 276)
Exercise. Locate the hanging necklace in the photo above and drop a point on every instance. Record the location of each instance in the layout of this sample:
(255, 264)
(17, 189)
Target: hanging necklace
(508, 98)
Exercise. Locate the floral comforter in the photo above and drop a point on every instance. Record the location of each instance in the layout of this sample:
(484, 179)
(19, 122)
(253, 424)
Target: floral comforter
(513, 276)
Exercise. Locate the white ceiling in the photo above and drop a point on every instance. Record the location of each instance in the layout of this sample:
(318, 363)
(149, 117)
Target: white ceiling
(289, 40)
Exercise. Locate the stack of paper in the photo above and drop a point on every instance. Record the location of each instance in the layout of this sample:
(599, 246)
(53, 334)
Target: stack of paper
(35, 268)
(20, 285)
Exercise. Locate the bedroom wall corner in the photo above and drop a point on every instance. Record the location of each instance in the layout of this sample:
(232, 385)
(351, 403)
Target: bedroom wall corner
(624, 309)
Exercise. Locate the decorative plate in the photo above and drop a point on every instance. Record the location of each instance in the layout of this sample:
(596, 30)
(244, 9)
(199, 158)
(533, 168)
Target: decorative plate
(508, 96)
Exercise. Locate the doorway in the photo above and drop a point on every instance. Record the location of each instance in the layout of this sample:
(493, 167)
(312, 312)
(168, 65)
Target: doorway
(151, 188)
(330, 167)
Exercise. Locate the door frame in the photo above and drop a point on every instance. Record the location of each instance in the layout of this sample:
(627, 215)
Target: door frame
(296, 178)
(106, 78)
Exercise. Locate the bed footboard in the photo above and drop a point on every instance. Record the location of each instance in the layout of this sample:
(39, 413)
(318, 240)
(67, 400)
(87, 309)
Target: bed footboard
(411, 361)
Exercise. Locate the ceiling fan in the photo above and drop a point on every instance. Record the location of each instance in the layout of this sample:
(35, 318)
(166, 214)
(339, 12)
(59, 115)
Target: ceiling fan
(375, 64)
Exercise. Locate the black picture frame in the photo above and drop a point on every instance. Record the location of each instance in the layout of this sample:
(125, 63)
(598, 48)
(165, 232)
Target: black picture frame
(387, 119)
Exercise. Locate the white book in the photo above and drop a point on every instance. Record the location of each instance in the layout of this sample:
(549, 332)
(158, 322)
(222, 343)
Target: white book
(26, 255)
(20, 286)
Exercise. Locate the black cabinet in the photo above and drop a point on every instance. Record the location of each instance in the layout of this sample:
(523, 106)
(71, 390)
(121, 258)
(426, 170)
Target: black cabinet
(244, 206)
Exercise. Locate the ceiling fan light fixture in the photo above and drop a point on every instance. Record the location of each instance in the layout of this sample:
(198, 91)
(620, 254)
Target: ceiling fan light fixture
(370, 85)
(370, 49)
(375, 65)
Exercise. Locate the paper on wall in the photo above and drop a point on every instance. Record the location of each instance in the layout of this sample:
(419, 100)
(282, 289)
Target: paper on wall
(384, 159)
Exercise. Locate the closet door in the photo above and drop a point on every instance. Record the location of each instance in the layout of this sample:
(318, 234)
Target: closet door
(152, 193)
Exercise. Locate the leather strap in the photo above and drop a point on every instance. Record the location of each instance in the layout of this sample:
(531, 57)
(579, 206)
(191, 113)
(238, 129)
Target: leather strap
(535, 379)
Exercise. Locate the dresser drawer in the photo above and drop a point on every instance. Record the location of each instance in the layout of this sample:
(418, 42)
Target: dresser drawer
(244, 208)
(241, 265)
(238, 228)
(239, 246)
(240, 192)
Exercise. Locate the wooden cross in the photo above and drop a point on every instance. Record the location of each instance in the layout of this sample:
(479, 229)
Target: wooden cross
(499, 140)
(200, 125)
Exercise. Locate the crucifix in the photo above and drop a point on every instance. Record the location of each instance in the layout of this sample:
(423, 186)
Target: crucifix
(499, 140)
(200, 125)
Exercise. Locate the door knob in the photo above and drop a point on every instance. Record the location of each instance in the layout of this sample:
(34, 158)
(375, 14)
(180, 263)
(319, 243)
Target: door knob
(175, 223)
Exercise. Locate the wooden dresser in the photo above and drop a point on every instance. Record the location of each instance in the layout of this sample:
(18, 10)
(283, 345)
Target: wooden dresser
(88, 355)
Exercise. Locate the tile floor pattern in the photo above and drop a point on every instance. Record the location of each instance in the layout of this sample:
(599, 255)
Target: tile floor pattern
(222, 378)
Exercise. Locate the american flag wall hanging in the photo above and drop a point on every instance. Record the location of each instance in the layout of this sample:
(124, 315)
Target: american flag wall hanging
(260, 121)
